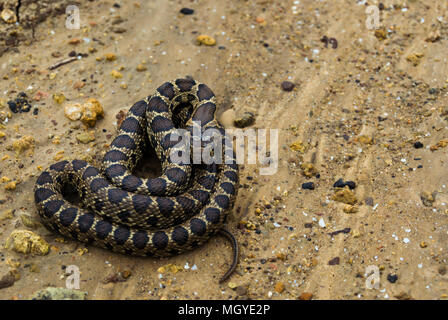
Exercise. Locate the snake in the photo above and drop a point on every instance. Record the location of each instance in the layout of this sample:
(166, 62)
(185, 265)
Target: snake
(181, 209)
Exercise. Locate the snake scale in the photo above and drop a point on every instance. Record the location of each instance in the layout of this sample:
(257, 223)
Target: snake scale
(163, 216)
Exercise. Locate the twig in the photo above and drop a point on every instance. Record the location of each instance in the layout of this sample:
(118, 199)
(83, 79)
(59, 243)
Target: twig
(62, 62)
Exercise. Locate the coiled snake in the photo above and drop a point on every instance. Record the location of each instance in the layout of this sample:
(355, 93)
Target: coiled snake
(175, 212)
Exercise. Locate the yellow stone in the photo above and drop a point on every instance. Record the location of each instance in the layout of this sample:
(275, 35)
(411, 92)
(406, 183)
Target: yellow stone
(365, 139)
(171, 268)
(345, 195)
(11, 186)
(58, 97)
(206, 40)
(348, 208)
(23, 144)
(5, 179)
(92, 110)
(415, 58)
(279, 287)
(116, 74)
(381, 34)
(8, 16)
(86, 137)
(141, 67)
(110, 57)
(73, 111)
(297, 146)
(308, 170)
(24, 241)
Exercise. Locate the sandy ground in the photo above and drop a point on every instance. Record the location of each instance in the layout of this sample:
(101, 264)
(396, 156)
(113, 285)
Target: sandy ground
(355, 113)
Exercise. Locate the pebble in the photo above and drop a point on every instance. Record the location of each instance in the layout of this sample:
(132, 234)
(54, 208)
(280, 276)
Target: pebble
(7, 280)
(365, 139)
(8, 16)
(86, 137)
(334, 261)
(28, 221)
(20, 104)
(415, 58)
(141, 67)
(381, 34)
(322, 223)
(24, 241)
(308, 169)
(171, 268)
(392, 278)
(246, 120)
(119, 30)
(116, 74)
(345, 196)
(23, 144)
(205, 40)
(339, 184)
(279, 287)
(91, 112)
(186, 11)
(306, 296)
(427, 198)
(308, 185)
(418, 145)
(58, 97)
(73, 111)
(298, 146)
(287, 86)
(348, 208)
(110, 57)
(52, 293)
(74, 41)
(232, 285)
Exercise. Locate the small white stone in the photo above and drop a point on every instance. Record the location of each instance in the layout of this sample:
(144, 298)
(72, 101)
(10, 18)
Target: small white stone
(322, 223)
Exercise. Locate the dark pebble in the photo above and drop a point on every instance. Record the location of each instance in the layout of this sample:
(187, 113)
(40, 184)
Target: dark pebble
(419, 166)
(433, 91)
(418, 145)
(116, 5)
(308, 185)
(369, 201)
(20, 104)
(287, 86)
(339, 184)
(350, 184)
(308, 225)
(7, 280)
(186, 11)
(36, 111)
(72, 53)
(392, 278)
(334, 261)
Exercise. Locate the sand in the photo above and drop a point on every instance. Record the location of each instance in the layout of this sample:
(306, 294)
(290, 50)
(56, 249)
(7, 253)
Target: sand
(358, 107)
